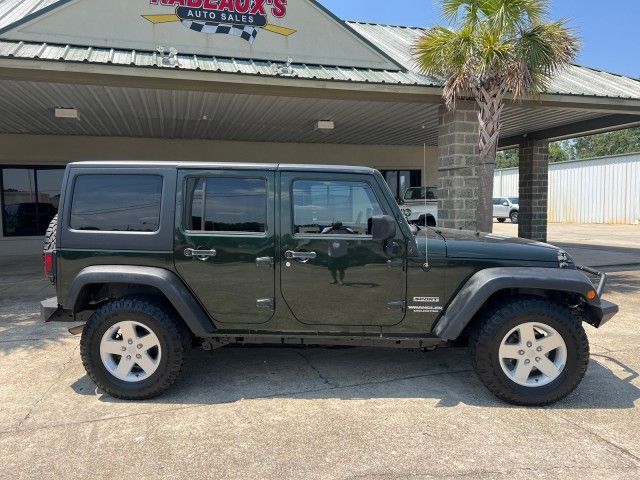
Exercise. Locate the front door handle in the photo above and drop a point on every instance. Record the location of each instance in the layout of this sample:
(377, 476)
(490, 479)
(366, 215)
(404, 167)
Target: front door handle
(302, 257)
(202, 255)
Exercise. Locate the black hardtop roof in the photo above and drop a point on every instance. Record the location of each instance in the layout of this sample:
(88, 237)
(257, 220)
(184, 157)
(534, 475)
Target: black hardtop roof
(224, 166)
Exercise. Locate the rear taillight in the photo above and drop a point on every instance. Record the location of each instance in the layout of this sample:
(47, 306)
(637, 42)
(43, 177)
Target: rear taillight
(48, 260)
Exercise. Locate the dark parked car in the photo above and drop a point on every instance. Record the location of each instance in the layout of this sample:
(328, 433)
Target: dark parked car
(164, 257)
(23, 219)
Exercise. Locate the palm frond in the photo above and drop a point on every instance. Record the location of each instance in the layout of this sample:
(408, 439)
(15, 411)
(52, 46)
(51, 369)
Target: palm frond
(512, 15)
(494, 50)
(466, 12)
(543, 50)
(442, 51)
(495, 46)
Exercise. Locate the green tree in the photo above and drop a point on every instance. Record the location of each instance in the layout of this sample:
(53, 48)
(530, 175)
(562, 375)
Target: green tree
(613, 143)
(561, 151)
(507, 158)
(558, 152)
(494, 47)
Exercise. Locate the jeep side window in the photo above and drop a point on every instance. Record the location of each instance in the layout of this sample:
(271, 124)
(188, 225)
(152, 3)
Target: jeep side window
(226, 204)
(320, 206)
(116, 203)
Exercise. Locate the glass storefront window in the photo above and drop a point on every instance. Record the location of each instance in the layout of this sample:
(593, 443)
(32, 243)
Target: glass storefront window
(49, 184)
(400, 180)
(30, 199)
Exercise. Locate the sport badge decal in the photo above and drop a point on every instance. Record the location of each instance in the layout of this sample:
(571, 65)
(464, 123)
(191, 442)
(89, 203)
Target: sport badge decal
(240, 18)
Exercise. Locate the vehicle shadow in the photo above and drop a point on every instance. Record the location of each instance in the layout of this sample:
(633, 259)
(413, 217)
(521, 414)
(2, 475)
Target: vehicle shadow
(22, 287)
(602, 256)
(248, 373)
(622, 282)
(22, 328)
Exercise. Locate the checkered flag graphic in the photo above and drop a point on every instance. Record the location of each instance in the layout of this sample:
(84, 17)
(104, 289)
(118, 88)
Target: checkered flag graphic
(245, 32)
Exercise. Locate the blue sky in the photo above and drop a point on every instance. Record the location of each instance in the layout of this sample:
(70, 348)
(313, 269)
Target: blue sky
(610, 30)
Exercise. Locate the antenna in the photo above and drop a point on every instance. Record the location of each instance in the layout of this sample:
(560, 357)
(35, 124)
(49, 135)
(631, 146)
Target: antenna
(426, 265)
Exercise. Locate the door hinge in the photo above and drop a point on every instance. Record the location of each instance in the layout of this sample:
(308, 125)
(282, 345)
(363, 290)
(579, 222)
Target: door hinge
(397, 305)
(265, 303)
(264, 262)
(396, 262)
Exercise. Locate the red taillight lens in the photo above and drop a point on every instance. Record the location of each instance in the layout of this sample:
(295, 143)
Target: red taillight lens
(47, 258)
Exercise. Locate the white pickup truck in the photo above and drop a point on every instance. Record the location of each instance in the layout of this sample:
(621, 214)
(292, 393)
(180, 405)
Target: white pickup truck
(420, 206)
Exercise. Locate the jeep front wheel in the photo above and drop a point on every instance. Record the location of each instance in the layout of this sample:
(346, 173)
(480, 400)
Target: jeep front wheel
(132, 348)
(513, 216)
(530, 351)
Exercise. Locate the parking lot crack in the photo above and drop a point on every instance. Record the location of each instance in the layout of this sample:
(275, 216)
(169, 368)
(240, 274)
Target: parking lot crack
(315, 369)
(329, 387)
(44, 395)
(635, 458)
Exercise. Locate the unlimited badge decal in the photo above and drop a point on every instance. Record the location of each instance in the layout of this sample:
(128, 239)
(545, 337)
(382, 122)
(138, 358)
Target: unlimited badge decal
(425, 305)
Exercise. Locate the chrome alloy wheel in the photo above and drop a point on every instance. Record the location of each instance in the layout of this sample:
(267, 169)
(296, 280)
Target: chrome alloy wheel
(533, 354)
(130, 351)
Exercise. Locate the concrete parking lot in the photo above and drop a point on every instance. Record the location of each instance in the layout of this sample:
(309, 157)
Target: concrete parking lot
(318, 412)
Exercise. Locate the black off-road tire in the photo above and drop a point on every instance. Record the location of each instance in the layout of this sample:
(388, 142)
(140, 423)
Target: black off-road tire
(502, 220)
(50, 235)
(485, 342)
(513, 216)
(154, 315)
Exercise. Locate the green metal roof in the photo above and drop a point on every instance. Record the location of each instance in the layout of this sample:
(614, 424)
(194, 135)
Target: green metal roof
(394, 41)
(398, 41)
(12, 11)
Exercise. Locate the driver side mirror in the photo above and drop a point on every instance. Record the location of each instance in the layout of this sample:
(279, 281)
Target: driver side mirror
(383, 227)
(505, 204)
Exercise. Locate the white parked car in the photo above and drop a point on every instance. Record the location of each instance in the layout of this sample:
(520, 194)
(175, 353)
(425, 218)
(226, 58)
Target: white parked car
(506, 207)
(420, 206)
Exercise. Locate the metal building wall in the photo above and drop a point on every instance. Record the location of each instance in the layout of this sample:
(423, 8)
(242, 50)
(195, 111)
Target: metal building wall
(601, 190)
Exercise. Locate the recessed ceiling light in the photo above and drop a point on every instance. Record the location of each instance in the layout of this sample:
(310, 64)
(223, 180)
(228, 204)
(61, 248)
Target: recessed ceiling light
(325, 125)
(67, 113)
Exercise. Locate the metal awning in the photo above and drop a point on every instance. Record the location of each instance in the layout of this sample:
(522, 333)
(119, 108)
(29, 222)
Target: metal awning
(28, 108)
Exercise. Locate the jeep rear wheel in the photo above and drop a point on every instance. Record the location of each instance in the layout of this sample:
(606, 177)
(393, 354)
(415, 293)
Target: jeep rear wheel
(132, 348)
(502, 220)
(530, 351)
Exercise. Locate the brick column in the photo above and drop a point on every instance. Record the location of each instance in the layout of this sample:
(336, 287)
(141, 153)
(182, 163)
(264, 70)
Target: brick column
(534, 189)
(458, 167)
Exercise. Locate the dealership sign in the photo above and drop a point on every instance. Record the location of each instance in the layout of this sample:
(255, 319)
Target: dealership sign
(240, 18)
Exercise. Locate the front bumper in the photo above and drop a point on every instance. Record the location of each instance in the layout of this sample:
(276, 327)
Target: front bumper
(602, 311)
(608, 310)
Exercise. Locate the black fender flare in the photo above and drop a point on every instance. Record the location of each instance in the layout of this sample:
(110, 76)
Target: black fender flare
(477, 290)
(165, 281)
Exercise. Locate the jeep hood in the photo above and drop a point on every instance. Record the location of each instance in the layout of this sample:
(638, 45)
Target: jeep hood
(470, 244)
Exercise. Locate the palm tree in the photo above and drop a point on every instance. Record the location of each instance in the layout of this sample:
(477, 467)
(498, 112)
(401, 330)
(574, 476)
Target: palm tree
(494, 48)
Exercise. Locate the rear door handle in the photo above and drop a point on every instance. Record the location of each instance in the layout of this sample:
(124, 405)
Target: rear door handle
(203, 255)
(302, 257)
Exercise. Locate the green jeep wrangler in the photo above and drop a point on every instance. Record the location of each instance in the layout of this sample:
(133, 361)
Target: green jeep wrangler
(158, 258)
